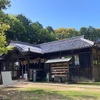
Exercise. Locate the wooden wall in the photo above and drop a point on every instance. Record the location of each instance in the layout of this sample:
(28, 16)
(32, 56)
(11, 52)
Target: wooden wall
(96, 63)
(82, 71)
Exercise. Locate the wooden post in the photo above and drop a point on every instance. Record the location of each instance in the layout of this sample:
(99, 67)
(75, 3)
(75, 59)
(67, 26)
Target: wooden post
(6, 67)
(70, 78)
(28, 72)
(0, 73)
(25, 66)
(22, 72)
(97, 64)
(91, 69)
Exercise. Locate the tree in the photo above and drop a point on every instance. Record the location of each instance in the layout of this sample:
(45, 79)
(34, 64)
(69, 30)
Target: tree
(24, 20)
(90, 33)
(50, 29)
(45, 36)
(29, 35)
(83, 31)
(16, 30)
(42, 35)
(62, 33)
(4, 4)
(3, 43)
(3, 27)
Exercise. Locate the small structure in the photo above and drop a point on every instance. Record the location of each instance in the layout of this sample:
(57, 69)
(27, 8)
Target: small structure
(76, 59)
(59, 69)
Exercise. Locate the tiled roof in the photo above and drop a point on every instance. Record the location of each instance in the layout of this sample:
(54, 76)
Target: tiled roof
(65, 44)
(25, 47)
(55, 46)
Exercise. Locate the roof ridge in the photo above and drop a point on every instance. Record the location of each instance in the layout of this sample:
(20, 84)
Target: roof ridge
(71, 38)
(35, 45)
(25, 43)
(88, 41)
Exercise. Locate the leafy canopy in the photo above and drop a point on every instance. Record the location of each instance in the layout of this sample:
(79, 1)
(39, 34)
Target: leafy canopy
(4, 4)
(3, 43)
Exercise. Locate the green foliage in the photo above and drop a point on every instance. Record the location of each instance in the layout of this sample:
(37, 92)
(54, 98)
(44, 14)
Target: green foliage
(4, 27)
(62, 33)
(3, 43)
(50, 29)
(90, 33)
(29, 35)
(23, 29)
(4, 4)
(16, 30)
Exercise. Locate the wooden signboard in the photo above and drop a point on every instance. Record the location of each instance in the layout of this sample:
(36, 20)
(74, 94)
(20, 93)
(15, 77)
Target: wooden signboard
(59, 69)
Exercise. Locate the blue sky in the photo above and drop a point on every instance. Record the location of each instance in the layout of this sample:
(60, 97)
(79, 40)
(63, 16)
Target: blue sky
(59, 13)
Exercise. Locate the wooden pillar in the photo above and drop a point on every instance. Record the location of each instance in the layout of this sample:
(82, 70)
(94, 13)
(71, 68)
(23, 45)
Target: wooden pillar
(28, 71)
(13, 69)
(98, 64)
(70, 78)
(60, 56)
(39, 63)
(22, 71)
(18, 70)
(91, 53)
(7, 65)
(0, 75)
(95, 64)
(91, 69)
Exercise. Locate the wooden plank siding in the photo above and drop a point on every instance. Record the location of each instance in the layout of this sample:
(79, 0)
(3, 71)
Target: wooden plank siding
(96, 63)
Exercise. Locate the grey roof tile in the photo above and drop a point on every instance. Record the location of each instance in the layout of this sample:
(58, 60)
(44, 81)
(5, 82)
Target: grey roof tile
(65, 44)
(25, 47)
(55, 46)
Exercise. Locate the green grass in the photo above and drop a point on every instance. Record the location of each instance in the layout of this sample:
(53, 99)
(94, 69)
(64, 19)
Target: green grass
(80, 94)
(70, 94)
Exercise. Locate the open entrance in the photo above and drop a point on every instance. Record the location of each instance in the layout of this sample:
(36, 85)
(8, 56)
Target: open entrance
(32, 70)
(37, 75)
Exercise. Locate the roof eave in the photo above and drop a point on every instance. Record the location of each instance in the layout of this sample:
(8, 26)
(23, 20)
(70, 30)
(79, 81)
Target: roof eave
(69, 49)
